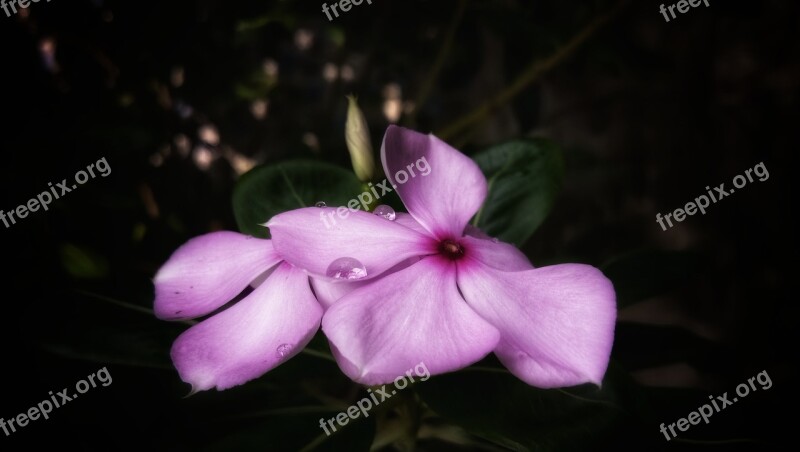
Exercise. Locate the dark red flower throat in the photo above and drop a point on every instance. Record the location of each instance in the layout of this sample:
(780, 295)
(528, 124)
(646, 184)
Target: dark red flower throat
(451, 249)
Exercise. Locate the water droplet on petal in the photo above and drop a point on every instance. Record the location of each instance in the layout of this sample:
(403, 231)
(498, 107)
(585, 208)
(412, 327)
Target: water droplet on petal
(283, 350)
(320, 204)
(386, 212)
(346, 268)
(495, 240)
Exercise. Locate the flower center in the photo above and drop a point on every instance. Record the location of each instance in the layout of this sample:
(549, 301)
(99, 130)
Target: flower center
(451, 249)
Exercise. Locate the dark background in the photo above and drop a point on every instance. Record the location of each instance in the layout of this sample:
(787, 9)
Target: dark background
(648, 113)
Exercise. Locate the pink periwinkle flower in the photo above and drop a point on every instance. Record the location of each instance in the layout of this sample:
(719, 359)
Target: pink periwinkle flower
(448, 295)
(267, 327)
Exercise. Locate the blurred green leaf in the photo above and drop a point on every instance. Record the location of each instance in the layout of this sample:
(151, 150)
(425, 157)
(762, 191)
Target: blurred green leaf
(247, 25)
(83, 263)
(524, 178)
(336, 35)
(257, 86)
(644, 274)
(495, 405)
(269, 190)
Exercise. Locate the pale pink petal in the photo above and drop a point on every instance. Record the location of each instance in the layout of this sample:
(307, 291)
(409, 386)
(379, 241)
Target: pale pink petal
(408, 221)
(447, 188)
(476, 232)
(258, 333)
(499, 255)
(209, 271)
(328, 292)
(303, 239)
(381, 330)
(557, 322)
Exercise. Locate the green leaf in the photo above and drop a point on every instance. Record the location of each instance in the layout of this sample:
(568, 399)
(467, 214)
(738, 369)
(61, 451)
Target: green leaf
(495, 405)
(524, 178)
(272, 189)
(644, 274)
(83, 263)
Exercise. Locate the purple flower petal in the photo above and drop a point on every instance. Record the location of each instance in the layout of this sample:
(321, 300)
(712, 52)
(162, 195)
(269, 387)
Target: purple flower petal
(301, 237)
(329, 292)
(381, 330)
(472, 231)
(448, 187)
(498, 255)
(408, 221)
(209, 271)
(557, 322)
(258, 333)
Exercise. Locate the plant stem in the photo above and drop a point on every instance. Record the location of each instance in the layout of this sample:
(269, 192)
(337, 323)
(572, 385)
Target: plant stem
(433, 76)
(532, 73)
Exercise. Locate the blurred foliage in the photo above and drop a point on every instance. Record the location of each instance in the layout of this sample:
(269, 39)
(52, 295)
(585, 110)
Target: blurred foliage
(269, 190)
(644, 274)
(524, 418)
(524, 179)
(184, 98)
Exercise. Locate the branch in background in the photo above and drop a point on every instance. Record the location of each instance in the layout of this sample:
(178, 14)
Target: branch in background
(532, 73)
(433, 76)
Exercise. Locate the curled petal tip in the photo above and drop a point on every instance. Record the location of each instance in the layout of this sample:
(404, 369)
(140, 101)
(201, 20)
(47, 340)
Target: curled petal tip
(192, 392)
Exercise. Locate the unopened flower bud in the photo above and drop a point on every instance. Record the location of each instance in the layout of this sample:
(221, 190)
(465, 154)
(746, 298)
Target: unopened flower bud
(356, 133)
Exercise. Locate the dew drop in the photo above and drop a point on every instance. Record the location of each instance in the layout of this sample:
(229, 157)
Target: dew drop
(495, 240)
(283, 350)
(346, 268)
(320, 204)
(386, 212)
